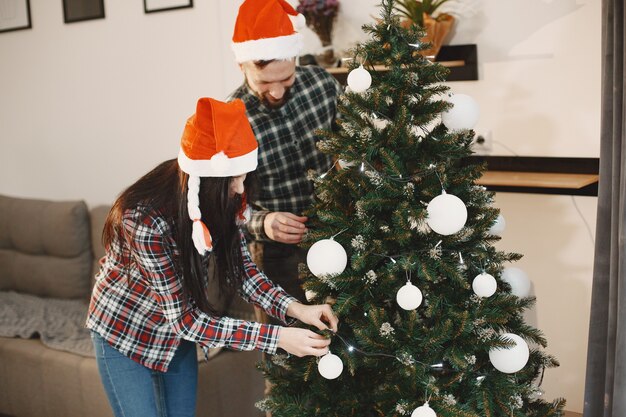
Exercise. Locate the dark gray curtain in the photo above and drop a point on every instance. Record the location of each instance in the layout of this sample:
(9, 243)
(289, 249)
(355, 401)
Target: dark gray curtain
(605, 385)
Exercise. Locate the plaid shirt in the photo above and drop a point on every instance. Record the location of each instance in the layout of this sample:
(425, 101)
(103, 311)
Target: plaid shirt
(138, 305)
(287, 142)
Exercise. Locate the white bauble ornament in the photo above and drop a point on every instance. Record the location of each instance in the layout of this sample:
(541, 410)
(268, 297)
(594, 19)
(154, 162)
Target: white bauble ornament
(484, 285)
(330, 366)
(309, 295)
(424, 411)
(512, 359)
(447, 214)
(359, 79)
(326, 257)
(409, 297)
(497, 228)
(518, 280)
(463, 114)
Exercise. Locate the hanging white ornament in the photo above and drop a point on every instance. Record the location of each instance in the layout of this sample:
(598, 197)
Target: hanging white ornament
(409, 297)
(497, 228)
(484, 285)
(447, 214)
(359, 79)
(326, 257)
(463, 114)
(424, 411)
(510, 360)
(518, 280)
(330, 366)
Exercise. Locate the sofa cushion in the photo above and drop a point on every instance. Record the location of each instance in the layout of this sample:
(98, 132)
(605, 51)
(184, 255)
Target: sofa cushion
(45, 247)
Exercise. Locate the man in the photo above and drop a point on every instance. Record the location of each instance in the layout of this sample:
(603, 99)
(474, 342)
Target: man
(285, 104)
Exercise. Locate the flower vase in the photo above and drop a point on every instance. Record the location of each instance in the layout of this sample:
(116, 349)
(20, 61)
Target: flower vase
(437, 29)
(323, 28)
(326, 58)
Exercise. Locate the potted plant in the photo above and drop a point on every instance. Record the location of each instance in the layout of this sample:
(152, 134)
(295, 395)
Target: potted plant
(422, 13)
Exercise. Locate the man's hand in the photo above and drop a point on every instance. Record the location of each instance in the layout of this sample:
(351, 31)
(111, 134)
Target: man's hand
(284, 227)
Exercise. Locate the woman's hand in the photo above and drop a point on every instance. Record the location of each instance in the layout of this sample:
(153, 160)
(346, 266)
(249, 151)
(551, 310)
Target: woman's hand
(302, 342)
(320, 315)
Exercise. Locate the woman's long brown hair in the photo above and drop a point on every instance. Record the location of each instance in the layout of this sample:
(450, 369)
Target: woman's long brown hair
(164, 190)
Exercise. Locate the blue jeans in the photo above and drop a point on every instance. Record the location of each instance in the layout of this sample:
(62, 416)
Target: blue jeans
(136, 391)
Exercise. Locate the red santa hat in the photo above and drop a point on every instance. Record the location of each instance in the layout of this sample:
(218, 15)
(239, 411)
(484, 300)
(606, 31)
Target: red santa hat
(217, 142)
(264, 31)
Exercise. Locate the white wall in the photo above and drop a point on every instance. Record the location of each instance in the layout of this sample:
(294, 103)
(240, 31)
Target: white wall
(86, 108)
(540, 96)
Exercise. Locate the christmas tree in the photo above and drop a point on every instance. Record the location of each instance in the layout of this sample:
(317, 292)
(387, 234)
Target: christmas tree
(402, 243)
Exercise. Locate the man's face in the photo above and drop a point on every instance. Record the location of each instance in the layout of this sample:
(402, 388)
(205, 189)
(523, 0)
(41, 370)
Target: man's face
(271, 83)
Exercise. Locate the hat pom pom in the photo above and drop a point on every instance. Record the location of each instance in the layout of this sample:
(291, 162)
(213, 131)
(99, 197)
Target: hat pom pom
(299, 22)
(220, 162)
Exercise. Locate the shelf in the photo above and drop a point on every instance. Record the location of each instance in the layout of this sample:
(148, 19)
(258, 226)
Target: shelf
(540, 175)
(537, 179)
(461, 60)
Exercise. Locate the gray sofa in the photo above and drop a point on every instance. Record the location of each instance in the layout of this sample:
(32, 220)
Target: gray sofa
(49, 252)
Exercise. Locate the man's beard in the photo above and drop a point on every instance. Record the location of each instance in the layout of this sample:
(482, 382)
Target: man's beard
(276, 104)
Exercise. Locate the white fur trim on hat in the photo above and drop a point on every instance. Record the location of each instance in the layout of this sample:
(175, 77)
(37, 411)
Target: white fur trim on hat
(238, 165)
(267, 49)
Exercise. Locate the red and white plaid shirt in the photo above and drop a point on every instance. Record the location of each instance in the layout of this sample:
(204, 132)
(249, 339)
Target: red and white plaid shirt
(138, 304)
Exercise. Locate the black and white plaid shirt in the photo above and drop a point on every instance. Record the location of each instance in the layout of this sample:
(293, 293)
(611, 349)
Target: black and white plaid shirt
(287, 142)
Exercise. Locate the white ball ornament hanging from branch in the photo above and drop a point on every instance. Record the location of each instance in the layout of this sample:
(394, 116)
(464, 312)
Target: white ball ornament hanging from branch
(359, 79)
(409, 297)
(326, 258)
(463, 114)
(498, 226)
(424, 411)
(447, 214)
(513, 359)
(518, 280)
(330, 366)
(484, 285)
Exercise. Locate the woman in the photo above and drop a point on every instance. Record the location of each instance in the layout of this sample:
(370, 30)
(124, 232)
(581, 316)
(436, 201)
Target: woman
(149, 305)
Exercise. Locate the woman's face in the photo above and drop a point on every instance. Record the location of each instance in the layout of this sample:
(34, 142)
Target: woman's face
(236, 185)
